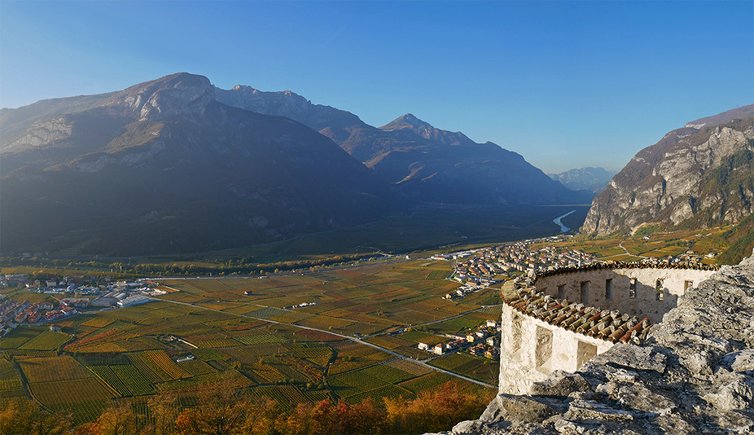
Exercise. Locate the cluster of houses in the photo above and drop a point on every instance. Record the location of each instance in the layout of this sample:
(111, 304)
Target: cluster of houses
(482, 342)
(68, 296)
(510, 259)
(13, 313)
(480, 268)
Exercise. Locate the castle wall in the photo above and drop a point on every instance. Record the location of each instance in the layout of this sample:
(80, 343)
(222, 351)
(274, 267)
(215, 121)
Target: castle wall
(531, 349)
(639, 298)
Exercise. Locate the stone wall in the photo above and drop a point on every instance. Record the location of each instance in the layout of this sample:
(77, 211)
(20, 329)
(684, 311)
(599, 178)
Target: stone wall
(693, 374)
(640, 292)
(563, 319)
(531, 349)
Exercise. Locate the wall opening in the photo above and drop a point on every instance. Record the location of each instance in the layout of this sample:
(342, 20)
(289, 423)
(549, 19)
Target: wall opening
(516, 333)
(543, 352)
(609, 288)
(660, 290)
(585, 292)
(584, 353)
(561, 291)
(632, 288)
(687, 285)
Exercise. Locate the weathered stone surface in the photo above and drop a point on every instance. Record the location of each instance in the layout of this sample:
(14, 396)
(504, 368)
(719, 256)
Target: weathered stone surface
(560, 384)
(740, 361)
(695, 375)
(635, 357)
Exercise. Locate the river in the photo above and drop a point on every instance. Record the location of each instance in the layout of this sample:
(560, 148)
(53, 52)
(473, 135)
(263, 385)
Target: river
(559, 222)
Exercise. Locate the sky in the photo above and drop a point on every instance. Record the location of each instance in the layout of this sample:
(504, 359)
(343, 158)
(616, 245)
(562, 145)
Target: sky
(565, 84)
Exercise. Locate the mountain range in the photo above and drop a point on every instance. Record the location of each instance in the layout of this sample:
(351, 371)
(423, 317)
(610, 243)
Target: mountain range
(178, 165)
(164, 167)
(588, 178)
(423, 163)
(700, 175)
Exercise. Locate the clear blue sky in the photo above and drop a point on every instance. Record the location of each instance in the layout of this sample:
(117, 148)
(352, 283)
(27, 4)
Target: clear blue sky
(566, 84)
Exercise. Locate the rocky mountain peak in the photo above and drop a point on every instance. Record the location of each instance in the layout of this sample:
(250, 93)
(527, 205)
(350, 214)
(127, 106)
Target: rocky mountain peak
(406, 121)
(180, 93)
(722, 118)
(700, 175)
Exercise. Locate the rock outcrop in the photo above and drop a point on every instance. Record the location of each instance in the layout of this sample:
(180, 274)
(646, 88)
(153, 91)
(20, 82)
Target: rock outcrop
(697, 176)
(694, 374)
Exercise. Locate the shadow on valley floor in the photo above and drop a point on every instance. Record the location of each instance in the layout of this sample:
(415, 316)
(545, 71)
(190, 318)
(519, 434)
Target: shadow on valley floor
(421, 230)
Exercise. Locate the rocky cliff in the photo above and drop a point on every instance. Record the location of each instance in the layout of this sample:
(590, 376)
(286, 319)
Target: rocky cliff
(697, 176)
(695, 374)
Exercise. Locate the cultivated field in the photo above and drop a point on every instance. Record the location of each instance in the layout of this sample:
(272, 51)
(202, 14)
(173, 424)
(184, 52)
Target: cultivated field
(257, 343)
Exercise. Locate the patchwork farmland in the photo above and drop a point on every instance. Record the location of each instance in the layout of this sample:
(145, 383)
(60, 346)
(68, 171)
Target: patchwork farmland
(354, 338)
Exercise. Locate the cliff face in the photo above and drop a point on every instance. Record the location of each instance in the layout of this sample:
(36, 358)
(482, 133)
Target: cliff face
(695, 374)
(700, 175)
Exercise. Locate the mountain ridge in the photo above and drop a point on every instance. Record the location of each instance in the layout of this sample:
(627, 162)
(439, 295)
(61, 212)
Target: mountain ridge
(694, 176)
(423, 162)
(163, 160)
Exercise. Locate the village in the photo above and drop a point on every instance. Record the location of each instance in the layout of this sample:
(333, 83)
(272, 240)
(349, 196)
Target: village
(480, 268)
(482, 342)
(67, 296)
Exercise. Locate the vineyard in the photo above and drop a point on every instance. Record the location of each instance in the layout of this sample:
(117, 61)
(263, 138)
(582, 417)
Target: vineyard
(160, 347)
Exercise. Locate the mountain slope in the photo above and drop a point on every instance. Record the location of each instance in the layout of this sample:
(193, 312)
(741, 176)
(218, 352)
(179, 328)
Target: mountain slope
(589, 178)
(700, 175)
(163, 167)
(424, 163)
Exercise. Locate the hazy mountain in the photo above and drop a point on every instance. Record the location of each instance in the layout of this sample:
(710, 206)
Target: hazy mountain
(699, 175)
(424, 163)
(589, 178)
(164, 167)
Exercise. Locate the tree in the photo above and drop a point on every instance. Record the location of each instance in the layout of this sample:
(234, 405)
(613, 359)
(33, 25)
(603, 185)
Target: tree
(24, 417)
(117, 419)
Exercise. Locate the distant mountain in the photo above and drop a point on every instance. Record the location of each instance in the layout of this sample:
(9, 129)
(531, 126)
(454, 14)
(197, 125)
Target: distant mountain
(696, 176)
(163, 167)
(423, 163)
(589, 178)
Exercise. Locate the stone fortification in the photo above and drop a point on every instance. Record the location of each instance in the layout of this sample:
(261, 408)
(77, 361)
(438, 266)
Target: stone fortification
(694, 373)
(561, 319)
(635, 289)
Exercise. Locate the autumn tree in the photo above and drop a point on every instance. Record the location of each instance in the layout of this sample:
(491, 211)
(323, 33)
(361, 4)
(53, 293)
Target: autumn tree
(24, 417)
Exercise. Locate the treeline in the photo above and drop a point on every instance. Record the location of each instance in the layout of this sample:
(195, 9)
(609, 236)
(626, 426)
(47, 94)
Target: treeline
(222, 410)
(238, 266)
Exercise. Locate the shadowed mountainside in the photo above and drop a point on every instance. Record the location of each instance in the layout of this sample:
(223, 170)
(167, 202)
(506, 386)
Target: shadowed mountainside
(422, 162)
(163, 167)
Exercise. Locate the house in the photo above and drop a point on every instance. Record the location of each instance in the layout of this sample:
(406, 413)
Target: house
(423, 346)
(103, 302)
(491, 324)
(75, 302)
(134, 300)
(491, 341)
(45, 306)
(470, 338)
(438, 349)
(186, 358)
